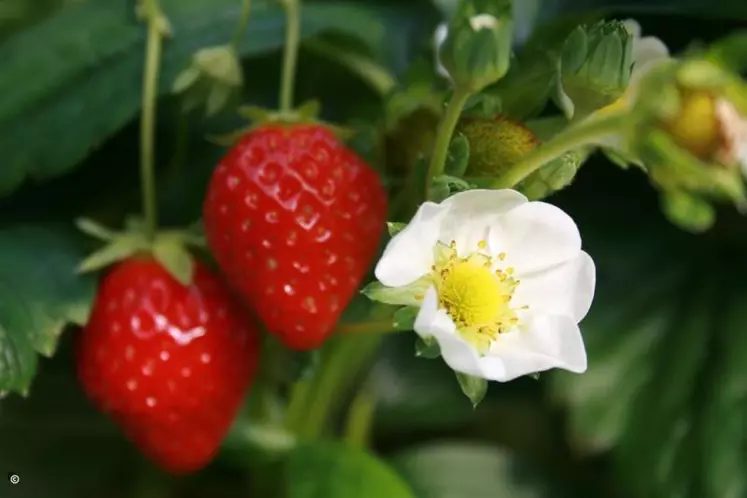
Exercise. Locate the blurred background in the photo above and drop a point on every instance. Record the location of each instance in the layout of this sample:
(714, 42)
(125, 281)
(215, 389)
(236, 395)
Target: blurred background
(662, 411)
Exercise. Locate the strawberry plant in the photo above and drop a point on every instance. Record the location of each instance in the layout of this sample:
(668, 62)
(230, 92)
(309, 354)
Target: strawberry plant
(401, 249)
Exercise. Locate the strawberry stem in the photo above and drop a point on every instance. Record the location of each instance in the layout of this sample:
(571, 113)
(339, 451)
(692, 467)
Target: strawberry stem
(290, 52)
(584, 133)
(243, 21)
(148, 120)
(443, 137)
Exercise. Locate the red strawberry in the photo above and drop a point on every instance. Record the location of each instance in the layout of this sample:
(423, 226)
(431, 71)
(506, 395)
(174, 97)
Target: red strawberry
(294, 218)
(169, 363)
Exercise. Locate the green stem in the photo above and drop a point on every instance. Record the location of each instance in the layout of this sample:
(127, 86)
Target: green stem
(243, 21)
(582, 134)
(360, 419)
(290, 53)
(148, 127)
(346, 357)
(377, 76)
(443, 137)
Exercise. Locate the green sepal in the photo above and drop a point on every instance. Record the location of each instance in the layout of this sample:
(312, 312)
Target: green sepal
(407, 295)
(688, 212)
(535, 376)
(168, 247)
(457, 159)
(175, 258)
(473, 387)
(394, 227)
(404, 318)
(427, 347)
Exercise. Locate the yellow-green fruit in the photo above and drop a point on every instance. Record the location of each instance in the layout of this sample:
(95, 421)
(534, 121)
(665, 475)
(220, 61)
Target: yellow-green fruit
(413, 137)
(495, 144)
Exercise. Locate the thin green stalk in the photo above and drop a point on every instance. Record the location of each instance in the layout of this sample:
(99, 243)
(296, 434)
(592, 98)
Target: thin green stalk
(443, 137)
(148, 127)
(290, 53)
(345, 359)
(576, 136)
(243, 21)
(360, 418)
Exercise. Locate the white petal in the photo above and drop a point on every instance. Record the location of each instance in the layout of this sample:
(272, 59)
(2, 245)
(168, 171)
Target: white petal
(647, 49)
(409, 255)
(566, 289)
(633, 27)
(564, 101)
(545, 342)
(439, 37)
(436, 323)
(472, 212)
(536, 236)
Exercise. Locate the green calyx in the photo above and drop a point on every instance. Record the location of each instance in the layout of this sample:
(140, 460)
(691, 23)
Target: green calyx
(168, 247)
(307, 113)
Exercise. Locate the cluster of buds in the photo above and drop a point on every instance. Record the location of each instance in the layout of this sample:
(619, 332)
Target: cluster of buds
(689, 128)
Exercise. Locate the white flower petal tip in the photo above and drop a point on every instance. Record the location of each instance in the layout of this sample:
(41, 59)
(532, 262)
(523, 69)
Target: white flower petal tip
(483, 21)
(439, 36)
(507, 283)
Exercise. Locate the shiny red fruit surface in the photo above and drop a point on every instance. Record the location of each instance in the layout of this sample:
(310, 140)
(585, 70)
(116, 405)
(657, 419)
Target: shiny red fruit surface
(294, 219)
(170, 364)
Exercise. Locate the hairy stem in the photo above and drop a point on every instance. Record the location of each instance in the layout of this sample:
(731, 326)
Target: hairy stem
(579, 135)
(443, 137)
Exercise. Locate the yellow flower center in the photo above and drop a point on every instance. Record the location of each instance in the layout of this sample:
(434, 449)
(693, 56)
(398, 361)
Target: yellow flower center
(475, 293)
(696, 126)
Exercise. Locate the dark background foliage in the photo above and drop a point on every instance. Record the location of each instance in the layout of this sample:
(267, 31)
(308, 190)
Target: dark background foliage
(662, 411)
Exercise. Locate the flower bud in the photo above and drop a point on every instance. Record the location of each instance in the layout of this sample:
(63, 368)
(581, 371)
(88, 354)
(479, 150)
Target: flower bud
(690, 131)
(477, 48)
(595, 67)
(213, 77)
(694, 113)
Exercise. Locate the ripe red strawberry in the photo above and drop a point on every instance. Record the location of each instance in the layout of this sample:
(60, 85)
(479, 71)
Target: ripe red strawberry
(293, 218)
(169, 363)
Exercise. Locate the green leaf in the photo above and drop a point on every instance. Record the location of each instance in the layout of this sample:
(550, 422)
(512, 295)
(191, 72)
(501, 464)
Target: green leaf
(666, 347)
(427, 348)
(461, 470)
(473, 387)
(71, 80)
(714, 10)
(40, 293)
(404, 318)
(333, 470)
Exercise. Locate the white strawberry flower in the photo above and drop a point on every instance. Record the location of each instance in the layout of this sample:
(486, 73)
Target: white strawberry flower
(501, 283)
